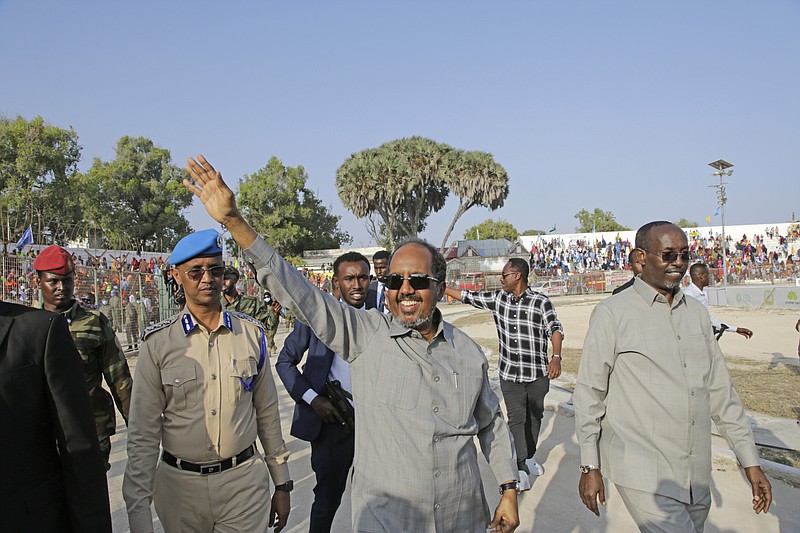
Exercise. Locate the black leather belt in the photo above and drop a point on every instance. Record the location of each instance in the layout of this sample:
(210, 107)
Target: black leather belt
(209, 468)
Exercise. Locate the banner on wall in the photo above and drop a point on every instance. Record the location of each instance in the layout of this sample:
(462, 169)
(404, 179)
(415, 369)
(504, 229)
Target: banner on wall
(766, 296)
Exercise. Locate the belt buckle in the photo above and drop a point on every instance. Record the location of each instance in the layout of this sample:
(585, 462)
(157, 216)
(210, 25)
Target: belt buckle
(211, 469)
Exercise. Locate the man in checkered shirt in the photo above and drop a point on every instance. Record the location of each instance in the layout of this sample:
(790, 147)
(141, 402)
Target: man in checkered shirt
(525, 319)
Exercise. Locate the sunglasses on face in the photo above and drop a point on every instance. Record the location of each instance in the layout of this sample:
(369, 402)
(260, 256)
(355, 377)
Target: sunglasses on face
(197, 273)
(418, 282)
(669, 257)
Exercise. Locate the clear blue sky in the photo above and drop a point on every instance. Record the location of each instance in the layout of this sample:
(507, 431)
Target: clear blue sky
(617, 105)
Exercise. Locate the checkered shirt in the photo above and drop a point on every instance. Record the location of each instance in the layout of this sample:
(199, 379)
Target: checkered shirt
(524, 326)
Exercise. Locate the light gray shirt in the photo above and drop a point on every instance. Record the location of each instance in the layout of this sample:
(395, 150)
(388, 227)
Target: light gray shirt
(418, 408)
(651, 380)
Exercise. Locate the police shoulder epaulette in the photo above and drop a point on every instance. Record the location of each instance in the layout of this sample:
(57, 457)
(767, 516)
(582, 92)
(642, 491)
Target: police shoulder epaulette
(248, 318)
(155, 327)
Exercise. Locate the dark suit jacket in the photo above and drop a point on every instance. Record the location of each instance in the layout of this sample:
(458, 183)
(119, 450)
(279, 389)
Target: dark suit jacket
(52, 477)
(372, 295)
(306, 423)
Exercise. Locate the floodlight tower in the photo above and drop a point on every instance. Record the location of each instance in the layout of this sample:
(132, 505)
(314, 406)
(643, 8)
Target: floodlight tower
(721, 166)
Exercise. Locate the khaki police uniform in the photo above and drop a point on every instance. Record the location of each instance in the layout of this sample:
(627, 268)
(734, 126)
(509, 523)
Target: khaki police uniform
(204, 396)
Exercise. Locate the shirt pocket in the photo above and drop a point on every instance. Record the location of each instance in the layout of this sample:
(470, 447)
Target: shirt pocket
(243, 371)
(180, 386)
(397, 386)
(460, 401)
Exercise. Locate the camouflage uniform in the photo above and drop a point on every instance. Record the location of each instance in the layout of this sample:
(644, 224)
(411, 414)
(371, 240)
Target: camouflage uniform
(252, 306)
(249, 305)
(102, 356)
(271, 328)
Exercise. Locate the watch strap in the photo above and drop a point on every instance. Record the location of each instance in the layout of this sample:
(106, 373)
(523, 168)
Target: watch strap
(285, 487)
(509, 486)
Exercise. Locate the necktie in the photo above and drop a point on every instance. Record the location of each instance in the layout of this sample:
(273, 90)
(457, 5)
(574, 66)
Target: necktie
(380, 290)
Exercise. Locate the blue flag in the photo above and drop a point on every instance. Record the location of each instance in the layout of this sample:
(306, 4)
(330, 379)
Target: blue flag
(554, 228)
(27, 238)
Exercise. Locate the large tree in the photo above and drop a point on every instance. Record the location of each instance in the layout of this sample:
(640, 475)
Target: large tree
(275, 200)
(38, 162)
(596, 221)
(492, 229)
(684, 223)
(477, 180)
(136, 199)
(404, 181)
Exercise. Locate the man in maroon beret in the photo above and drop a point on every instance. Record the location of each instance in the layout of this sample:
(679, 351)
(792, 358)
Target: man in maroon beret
(101, 353)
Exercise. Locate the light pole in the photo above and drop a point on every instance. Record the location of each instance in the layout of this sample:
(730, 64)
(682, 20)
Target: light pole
(721, 167)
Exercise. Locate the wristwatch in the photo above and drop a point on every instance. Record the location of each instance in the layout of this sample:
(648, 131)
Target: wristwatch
(285, 487)
(556, 355)
(585, 469)
(508, 486)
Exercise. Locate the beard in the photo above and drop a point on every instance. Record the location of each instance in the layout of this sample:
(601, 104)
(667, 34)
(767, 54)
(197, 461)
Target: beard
(419, 321)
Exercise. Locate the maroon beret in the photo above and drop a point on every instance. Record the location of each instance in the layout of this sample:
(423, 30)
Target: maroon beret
(54, 259)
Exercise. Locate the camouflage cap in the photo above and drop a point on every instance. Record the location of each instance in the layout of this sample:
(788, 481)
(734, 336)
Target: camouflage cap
(231, 271)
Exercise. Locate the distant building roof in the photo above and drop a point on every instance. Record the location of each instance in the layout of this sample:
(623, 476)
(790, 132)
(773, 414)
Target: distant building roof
(484, 247)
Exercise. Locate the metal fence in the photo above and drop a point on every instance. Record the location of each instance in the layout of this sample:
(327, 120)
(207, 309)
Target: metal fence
(132, 300)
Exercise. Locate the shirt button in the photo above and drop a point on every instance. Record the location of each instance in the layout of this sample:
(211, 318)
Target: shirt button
(213, 376)
(437, 474)
(177, 381)
(436, 378)
(210, 447)
(435, 409)
(435, 439)
(211, 343)
(213, 411)
(692, 393)
(692, 422)
(684, 365)
(436, 506)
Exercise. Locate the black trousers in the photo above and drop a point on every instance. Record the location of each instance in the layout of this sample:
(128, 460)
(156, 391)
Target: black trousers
(525, 406)
(331, 459)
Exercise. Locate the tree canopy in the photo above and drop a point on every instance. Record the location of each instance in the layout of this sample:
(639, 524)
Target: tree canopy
(37, 164)
(137, 198)
(492, 229)
(276, 201)
(596, 221)
(403, 181)
(683, 223)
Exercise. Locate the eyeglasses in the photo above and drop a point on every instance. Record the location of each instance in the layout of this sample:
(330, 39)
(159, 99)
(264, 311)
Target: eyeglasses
(508, 273)
(197, 273)
(418, 282)
(671, 256)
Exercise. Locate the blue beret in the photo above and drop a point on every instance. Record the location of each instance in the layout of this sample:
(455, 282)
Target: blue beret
(205, 243)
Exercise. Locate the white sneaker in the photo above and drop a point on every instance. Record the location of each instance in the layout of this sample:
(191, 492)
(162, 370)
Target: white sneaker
(535, 468)
(524, 481)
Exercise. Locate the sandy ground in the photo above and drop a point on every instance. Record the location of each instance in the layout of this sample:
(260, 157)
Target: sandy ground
(774, 337)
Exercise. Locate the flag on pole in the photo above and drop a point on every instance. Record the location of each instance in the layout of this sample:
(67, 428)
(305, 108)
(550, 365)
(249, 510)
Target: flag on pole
(554, 228)
(27, 238)
(708, 219)
(717, 211)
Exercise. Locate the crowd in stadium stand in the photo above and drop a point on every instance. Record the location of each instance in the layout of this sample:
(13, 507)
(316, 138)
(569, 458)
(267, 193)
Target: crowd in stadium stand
(768, 256)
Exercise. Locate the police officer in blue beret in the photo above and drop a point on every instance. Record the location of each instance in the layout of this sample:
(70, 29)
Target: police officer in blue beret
(202, 392)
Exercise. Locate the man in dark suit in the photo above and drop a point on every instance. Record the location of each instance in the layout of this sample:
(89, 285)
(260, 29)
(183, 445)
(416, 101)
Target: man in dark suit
(377, 287)
(315, 418)
(53, 478)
